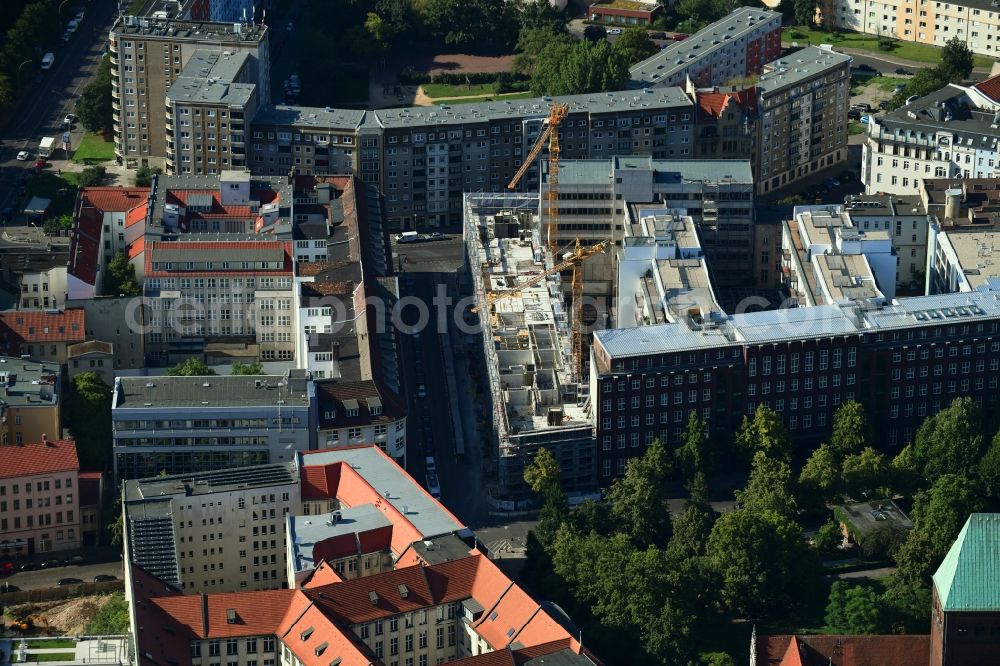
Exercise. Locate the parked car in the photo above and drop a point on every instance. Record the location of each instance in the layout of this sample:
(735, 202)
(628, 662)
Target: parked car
(70, 119)
(8, 587)
(66, 36)
(865, 120)
(50, 564)
(289, 26)
(903, 72)
(72, 25)
(436, 235)
(7, 568)
(884, 104)
(421, 391)
(63, 582)
(864, 67)
(24, 156)
(27, 566)
(104, 578)
(862, 106)
(657, 35)
(64, 127)
(679, 37)
(70, 561)
(854, 113)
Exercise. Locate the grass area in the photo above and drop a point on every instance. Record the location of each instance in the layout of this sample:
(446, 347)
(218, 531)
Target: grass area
(52, 656)
(889, 83)
(486, 98)
(93, 149)
(854, 127)
(857, 40)
(447, 90)
(53, 643)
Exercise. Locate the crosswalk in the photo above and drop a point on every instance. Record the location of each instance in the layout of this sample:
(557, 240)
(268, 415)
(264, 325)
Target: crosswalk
(500, 546)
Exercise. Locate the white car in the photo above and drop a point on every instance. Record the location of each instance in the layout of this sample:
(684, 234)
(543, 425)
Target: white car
(614, 31)
(72, 25)
(24, 156)
(70, 118)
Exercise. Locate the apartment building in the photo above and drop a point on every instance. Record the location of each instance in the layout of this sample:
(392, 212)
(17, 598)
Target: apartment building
(102, 216)
(950, 133)
(716, 194)
(903, 361)
(355, 412)
(149, 54)
(41, 335)
(725, 122)
(802, 103)
(733, 48)
(115, 324)
(219, 531)
(362, 515)
(419, 615)
(207, 108)
(39, 498)
(31, 400)
(826, 259)
(92, 356)
(904, 218)
(44, 288)
(182, 425)
(961, 260)
(973, 22)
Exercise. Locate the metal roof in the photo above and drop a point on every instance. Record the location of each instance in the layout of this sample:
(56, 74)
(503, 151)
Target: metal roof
(212, 391)
(585, 172)
(969, 577)
(800, 66)
(211, 76)
(215, 481)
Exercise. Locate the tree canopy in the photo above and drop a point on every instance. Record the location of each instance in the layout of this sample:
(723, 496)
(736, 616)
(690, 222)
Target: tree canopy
(119, 278)
(769, 487)
(951, 441)
(190, 367)
(88, 416)
(634, 45)
(853, 609)
(639, 499)
(851, 430)
(94, 105)
(252, 368)
(956, 61)
(764, 432)
(543, 473)
(566, 67)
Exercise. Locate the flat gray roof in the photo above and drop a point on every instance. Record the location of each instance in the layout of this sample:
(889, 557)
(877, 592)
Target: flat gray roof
(28, 383)
(192, 31)
(800, 66)
(211, 76)
(208, 391)
(663, 65)
(393, 484)
(216, 481)
(584, 172)
(306, 531)
(803, 323)
(308, 116)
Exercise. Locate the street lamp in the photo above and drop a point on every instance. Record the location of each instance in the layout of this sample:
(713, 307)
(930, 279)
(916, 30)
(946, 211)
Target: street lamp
(19, 71)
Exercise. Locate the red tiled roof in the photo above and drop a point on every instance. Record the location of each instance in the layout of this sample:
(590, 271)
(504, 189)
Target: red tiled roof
(336, 547)
(38, 458)
(113, 199)
(137, 214)
(990, 87)
(713, 103)
(375, 540)
(306, 631)
(83, 253)
(137, 247)
(323, 574)
(885, 650)
(205, 616)
(218, 209)
(156, 643)
(90, 488)
(91, 205)
(320, 481)
(18, 326)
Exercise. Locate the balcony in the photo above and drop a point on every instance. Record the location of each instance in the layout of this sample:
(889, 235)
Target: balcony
(116, 104)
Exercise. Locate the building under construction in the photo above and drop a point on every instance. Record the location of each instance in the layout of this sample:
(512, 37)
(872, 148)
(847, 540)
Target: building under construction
(536, 395)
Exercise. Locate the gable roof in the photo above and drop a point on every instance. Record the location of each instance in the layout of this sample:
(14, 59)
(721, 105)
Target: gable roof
(46, 457)
(714, 103)
(42, 326)
(969, 577)
(884, 650)
(990, 87)
(205, 615)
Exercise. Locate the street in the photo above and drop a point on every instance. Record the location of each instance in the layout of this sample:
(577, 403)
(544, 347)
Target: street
(40, 108)
(42, 578)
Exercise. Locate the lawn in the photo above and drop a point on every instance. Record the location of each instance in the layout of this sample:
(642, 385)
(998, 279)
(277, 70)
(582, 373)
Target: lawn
(854, 127)
(447, 90)
(93, 149)
(856, 40)
(51, 656)
(889, 83)
(485, 98)
(53, 643)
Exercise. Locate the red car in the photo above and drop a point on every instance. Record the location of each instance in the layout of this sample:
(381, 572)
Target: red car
(6, 568)
(679, 37)
(39, 164)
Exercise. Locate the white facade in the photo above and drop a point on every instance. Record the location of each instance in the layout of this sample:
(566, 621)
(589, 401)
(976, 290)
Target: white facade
(44, 289)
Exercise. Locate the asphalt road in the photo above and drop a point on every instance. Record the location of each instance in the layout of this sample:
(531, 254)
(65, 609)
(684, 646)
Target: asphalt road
(42, 578)
(42, 106)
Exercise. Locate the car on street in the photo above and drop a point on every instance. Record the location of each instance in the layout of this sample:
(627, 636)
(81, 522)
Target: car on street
(70, 561)
(104, 578)
(70, 119)
(39, 164)
(24, 156)
(8, 587)
(436, 235)
(421, 391)
(679, 37)
(64, 127)
(63, 582)
(903, 71)
(862, 106)
(27, 566)
(865, 67)
(80, 14)
(614, 31)
(50, 564)
(7, 568)
(66, 36)
(854, 114)
(72, 25)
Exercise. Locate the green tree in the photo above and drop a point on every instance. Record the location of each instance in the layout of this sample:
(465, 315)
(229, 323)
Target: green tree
(93, 176)
(853, 609)
(88, 413)
(577, 67)
(864, 471)
(116, 530)
(144, 176)
(851, 430)
(820, 476)
(690, 456)
(634, 45)
(828, 537)
(769, 487)
(764, 432)
(541, 14)
(252, 368)
(761, 558)
(543, 473)
(951, 441)
(717, 659)
(595, 33)
(554, 512)
(956, 61)
(691, 530)
(905, 475)
(804, 11)
(639, 499)
(112, 618)
(924, 82)
(938, 515)
(119, 278)
(57, 225)
(989, 470)
(476, 26)
(94, 105)
(190, 367)
(532, 42)
(882, 543)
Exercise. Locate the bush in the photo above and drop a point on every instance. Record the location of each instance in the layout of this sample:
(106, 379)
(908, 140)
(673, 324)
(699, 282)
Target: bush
(93, 176)
(455, 79)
